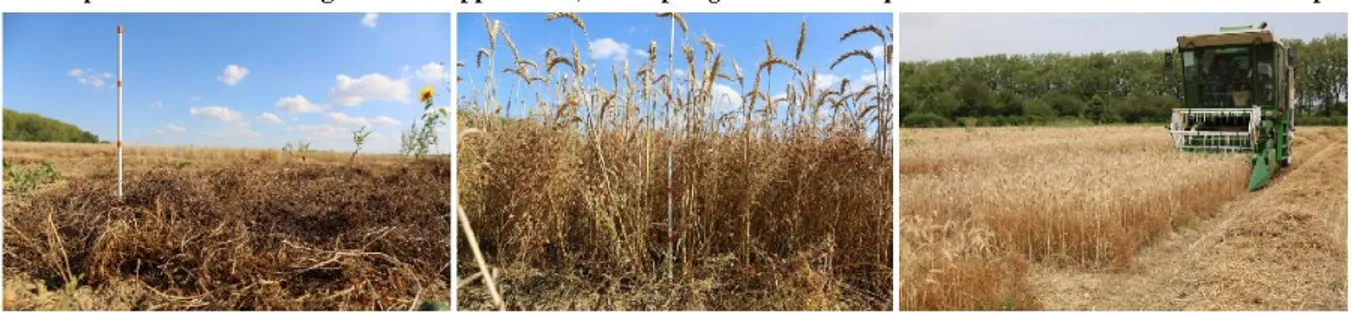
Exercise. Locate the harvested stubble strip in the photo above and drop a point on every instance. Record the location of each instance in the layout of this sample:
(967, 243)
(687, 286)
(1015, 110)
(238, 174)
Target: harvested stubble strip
(307, 237)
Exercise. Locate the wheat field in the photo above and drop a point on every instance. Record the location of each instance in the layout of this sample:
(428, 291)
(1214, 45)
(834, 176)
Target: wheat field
(980, 205)
(608, 195)
(80, 158)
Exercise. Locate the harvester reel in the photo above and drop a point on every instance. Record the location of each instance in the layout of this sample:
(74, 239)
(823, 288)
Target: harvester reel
(1215, 129)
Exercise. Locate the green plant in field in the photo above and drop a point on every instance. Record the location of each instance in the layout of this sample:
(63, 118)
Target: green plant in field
(299, 148)
(49, 172)
(421, 138)
(358, 138)
(20, 180)
(15, 179)
(430, 305)
(68, 292)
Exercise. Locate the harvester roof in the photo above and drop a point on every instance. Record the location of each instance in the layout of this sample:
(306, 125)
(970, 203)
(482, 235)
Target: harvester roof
(1228, 37)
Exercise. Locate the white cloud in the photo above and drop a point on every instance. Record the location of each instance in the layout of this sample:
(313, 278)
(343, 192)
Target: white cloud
(384, 121)
(640, 53)
(357, 122)
(322, 131)
(348, 91)
(158, 104)
(214, 113)
(432, 72)
(233, 74)
(726, 98)
(171, 128)
(825, 81)
(89, 76)
(297, 104)
(369, 20)
(93, 81)
(268, 118)
(343, 119)
(444, 131)
(867, 79)
(606, 48)
(679, 73)
(195, 98)
(877, 52)
(238, 130)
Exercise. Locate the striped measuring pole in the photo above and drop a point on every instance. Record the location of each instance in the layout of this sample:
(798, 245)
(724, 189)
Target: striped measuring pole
(119, 113)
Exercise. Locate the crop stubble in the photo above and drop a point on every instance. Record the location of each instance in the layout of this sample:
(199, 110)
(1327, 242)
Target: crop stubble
(247, 235)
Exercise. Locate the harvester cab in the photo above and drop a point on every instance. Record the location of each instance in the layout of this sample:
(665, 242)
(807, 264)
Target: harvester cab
(1238, 96)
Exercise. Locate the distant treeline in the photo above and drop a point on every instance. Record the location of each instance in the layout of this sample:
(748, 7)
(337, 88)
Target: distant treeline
(34, 127)
(1118, 87)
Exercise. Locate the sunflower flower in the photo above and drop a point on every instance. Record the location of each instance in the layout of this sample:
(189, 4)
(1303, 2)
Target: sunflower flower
(426, 94)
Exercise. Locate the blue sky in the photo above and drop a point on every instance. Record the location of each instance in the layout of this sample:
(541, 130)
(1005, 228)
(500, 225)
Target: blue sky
(934, 36)
(617, 37)
(230, 80)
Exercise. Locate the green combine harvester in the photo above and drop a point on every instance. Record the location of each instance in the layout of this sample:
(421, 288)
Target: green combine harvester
(1238, 96)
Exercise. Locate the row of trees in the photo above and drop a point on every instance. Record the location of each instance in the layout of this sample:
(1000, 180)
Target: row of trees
(1113, 87)
(34, 127)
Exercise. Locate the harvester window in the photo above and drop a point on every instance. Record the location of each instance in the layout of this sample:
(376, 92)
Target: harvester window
(1222, 77)
(1208, 58)
(1266, 81)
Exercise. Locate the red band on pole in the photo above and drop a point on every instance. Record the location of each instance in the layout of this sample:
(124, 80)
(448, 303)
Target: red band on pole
(119, 143)
(119, 29)
(119, 83)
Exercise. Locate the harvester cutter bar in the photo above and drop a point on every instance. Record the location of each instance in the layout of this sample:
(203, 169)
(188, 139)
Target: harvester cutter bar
(1184, 122)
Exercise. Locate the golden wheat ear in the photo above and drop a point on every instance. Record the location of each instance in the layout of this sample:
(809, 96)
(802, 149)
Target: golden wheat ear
(873, 29)
(852, 53)
(577, 20)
